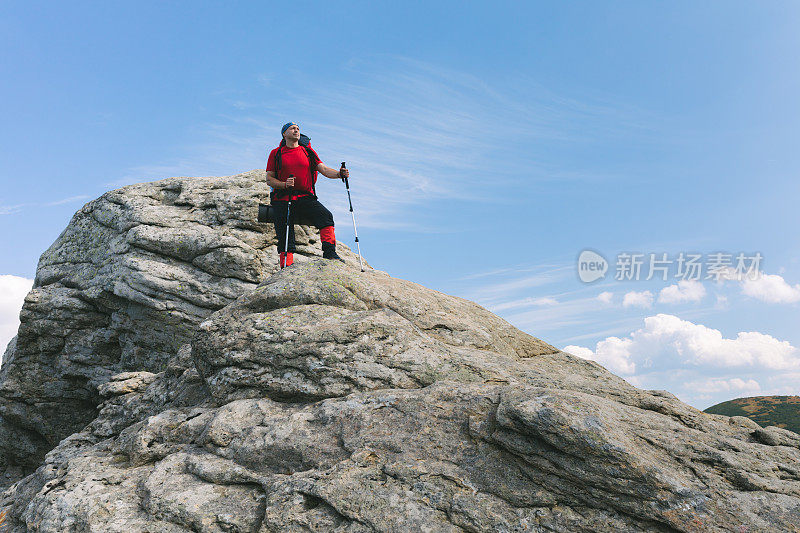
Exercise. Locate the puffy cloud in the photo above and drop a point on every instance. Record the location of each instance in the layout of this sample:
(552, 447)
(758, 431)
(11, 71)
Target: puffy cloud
(580, 351)
(684, 291)
(605, 297)
(12, 293)
(667, 342)
(771, 288)
(616, 353)
(613, 353)
(638, 299)
(666, 335)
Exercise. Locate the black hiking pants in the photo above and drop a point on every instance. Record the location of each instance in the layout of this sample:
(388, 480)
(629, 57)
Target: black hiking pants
(306, 210)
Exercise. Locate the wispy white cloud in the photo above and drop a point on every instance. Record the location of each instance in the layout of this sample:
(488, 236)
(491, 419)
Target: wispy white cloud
(515, 270)
(69, 200)
(525, 302)
(784, 383)
(505, 289)
(16, 208)
(732, 385)
(606, 297)
(10, 209)
(411, 133)
(532, 298)
(607, 328)
(582, 314)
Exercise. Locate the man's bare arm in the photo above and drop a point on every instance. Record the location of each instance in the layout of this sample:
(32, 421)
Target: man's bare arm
(332, 173)
(275, 183)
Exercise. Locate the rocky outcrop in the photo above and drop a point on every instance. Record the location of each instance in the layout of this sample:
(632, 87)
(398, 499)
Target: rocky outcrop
(121, 289)
(323, 332)
(324, 399)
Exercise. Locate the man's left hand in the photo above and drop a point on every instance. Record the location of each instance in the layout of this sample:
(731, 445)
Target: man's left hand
(344, 173)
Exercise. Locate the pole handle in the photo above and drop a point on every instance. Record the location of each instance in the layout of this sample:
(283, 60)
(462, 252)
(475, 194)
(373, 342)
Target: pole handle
(345, 180)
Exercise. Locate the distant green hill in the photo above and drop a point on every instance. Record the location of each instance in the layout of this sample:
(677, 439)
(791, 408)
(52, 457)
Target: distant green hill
(781, 411)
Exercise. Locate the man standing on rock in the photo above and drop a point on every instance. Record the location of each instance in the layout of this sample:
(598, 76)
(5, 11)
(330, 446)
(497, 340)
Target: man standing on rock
(292, 172)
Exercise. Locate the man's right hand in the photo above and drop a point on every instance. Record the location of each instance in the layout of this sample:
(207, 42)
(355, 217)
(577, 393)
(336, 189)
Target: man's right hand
(289, 183)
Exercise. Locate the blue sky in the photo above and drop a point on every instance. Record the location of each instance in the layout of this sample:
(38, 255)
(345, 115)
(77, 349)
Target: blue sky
(489, 145)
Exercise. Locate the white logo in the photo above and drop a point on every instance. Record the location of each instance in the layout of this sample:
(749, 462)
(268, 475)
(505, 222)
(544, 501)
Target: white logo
(591, 266)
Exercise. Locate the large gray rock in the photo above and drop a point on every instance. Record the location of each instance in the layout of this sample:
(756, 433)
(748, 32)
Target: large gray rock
(197, 389)
(317, 331)
(333, 400)
(121, 289)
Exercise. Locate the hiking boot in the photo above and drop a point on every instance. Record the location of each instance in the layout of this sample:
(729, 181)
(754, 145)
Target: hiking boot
(331, 254)
(329, 251)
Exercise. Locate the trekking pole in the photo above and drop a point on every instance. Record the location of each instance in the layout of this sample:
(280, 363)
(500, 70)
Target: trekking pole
(288, 208)
(288, 212)
(350, 200)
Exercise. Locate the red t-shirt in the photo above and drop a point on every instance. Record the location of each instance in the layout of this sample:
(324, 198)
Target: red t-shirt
(294, 161)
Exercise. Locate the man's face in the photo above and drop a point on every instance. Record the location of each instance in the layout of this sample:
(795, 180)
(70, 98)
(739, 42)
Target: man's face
(292, 132)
